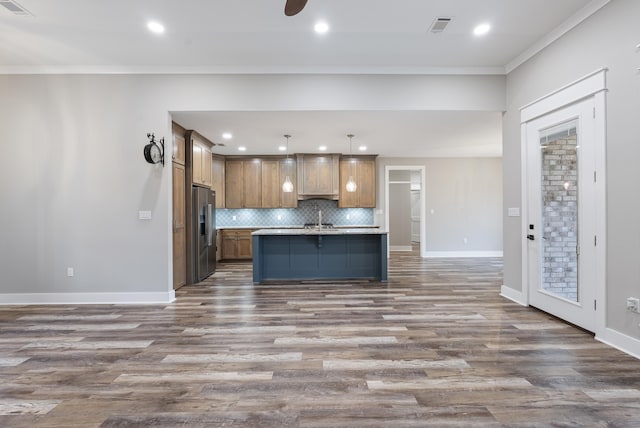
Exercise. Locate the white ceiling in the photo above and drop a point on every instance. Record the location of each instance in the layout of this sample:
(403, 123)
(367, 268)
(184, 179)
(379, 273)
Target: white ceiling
(254, 36)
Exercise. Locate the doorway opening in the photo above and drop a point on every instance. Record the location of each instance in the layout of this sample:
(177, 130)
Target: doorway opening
(405, 217)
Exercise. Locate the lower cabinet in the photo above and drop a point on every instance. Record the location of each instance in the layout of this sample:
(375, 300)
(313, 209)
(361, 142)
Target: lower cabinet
(237, 244)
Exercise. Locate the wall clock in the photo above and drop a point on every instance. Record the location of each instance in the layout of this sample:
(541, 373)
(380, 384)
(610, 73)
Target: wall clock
(154, 152)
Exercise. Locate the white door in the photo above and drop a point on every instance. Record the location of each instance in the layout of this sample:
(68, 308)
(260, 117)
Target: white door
(561, 223)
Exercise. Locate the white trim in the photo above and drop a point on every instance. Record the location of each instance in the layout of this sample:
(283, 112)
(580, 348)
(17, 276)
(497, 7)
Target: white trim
(462, 254)
(524, 214)
(601, 210)
(400, 248)
(584, 87)
(552, 36)
(620, 341)
(423, 199)
(86, 298)
(513, 295)
(336, 69)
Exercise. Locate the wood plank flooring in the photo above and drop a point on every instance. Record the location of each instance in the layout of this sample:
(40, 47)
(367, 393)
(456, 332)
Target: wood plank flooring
(435, 346)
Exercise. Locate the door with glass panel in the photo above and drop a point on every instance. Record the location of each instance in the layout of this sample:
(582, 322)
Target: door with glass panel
(560, 150)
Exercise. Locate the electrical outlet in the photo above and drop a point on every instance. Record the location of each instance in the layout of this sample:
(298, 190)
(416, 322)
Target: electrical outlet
(69, 271)
(633, 304)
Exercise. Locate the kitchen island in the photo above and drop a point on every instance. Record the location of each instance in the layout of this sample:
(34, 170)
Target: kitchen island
(319, 254)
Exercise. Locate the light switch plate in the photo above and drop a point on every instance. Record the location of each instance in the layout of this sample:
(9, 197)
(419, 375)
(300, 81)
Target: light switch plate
(144, 215)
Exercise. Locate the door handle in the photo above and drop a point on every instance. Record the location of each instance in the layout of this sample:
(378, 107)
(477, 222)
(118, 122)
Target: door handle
(531, 238)
(208, 229)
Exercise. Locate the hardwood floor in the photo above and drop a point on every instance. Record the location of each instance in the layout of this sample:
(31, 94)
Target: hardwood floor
(436, 346)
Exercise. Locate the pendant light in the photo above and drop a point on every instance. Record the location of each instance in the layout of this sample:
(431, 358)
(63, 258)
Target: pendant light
(287, 186)
(351, 184)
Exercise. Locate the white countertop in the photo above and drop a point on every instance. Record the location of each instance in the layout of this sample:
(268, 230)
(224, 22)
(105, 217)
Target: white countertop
(337, 231)
(354, 226)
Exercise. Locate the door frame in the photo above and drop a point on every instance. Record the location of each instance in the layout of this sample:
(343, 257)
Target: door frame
(591, 85)
(423, 219)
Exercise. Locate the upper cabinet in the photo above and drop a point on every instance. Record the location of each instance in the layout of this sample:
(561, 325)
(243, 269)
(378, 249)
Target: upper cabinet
(271, 185)
(363, 171)
(179, 144)
(218, 179)
(318, 176)
(287, 170)
(244, 183)
(257, 182)
(201, 159)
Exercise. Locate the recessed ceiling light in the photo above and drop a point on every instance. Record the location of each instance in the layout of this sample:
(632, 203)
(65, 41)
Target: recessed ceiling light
(322, 148)
(481, 29)
(321, 27)
(362, 148)
(282, 148)
(242, 148)
(227, 136)
(155, 27)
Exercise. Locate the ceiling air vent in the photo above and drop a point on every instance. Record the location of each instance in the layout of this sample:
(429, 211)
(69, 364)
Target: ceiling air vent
(14, 7)
(439, 24)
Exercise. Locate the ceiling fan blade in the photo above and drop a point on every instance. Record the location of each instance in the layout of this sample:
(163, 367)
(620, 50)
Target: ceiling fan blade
(293, 7)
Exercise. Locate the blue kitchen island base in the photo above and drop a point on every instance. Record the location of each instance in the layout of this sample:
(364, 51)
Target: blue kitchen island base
(284, 255)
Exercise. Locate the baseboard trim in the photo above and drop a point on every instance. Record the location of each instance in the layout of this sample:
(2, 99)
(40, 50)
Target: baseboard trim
(513, 295)
(86, 298)
(400, 248)
(461, 254)
(620, 341)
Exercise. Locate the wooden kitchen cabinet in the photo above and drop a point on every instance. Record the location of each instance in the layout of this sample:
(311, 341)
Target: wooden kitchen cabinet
(243, 188)
(218, 245)
(179, 227)
(179, 203)
(218, 179)
(252, 183)
(318, 175)
(288, 169)
(237, 244)
(201, 160)
(274, 173)
(179, 144)
(234, 183)
(363, 171)
(271, 185)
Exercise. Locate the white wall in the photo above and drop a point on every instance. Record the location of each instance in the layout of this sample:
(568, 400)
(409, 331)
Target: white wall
(74, 179)
(606, 39)
(465, 195)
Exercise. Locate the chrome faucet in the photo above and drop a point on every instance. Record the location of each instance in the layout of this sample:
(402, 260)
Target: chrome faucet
(319, 219)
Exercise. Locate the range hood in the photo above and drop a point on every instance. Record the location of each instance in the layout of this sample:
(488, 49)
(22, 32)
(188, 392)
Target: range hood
(318, 176)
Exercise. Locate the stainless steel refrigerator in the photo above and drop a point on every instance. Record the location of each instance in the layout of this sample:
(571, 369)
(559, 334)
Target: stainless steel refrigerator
(204, 233)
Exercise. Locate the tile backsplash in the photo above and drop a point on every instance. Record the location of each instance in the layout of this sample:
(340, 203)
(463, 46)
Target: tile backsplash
(307, 212)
